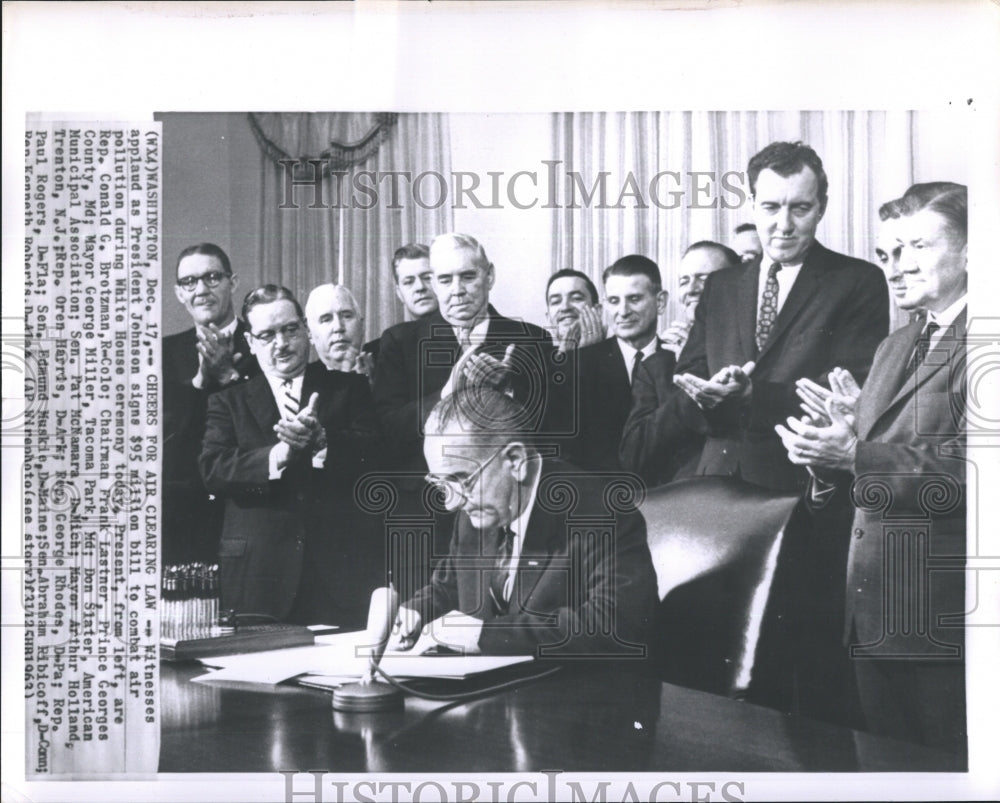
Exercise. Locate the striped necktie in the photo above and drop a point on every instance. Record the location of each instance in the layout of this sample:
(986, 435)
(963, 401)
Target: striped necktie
(289, 404)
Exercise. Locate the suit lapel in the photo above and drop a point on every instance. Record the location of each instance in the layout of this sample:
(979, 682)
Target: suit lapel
(260, 400)
(746, 308)
(806, 285)
(892, 389)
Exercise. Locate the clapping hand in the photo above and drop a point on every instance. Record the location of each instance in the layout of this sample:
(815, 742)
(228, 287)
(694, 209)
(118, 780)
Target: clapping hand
(733, 381)
(217, 363)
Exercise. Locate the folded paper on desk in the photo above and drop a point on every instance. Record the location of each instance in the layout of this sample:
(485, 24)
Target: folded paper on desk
(343, 658)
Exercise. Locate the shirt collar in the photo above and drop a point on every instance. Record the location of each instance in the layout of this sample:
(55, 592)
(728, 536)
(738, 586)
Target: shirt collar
(277, 383)
(628, 352)
(229, 328)
(949, 315)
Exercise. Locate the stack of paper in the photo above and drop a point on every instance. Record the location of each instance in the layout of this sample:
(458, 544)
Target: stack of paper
(343, 658)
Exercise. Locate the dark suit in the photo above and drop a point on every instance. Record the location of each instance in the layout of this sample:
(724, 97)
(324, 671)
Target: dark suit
(661, 439)
(415, 361)
(906, 638)
(605, 399)
(289, 548)
(192, 520)
(584, 585)
(373, 347)
(836, 314)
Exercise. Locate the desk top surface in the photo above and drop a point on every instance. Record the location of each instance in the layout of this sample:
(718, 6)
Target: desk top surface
(594, 717)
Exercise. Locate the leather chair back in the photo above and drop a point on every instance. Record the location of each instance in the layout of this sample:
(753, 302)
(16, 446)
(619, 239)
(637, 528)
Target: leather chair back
(715, 544)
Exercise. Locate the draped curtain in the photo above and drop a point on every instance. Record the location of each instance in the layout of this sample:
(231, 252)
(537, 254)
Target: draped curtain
(867, 155)
(367, 205)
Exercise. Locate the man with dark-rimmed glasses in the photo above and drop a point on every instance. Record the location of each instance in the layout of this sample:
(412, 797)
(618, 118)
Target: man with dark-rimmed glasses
(522, 575)
(284, 449)
(198, 361)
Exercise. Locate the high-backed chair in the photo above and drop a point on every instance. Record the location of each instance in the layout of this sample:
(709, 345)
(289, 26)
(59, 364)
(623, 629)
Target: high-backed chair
(715, 543)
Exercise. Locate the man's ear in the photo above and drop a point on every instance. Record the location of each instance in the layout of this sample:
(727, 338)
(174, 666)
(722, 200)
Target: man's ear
(516, 458)
(490, 276)
(179, 293)
(234, 281)
(661, 301)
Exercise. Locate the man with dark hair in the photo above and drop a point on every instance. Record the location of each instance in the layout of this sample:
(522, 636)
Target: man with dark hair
(285, 449)
(746, 242)
(411, 273)
(634, 299)
(699, 260)
(900, 446)
(521, 576)
(573, 309)
(209, 356)
(803, 312)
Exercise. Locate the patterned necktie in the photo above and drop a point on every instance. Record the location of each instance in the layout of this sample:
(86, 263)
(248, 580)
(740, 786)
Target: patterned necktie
(636, 362)
(920, 349)
(464, 335)
(768, 306)
(289, 404)
(501, 571)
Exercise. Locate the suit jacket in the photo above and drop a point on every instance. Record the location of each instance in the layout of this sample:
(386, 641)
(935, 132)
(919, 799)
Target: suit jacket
(415, 361)
(836, 314)
(661, 439)
(575, 593)
(272, 526)
(909, 497)
(192, 520)
(605, 399)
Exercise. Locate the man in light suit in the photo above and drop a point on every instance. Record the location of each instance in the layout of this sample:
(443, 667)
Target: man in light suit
(755, 333)
(197, 362)
(902, 442)
(527, 574)
(284, 449)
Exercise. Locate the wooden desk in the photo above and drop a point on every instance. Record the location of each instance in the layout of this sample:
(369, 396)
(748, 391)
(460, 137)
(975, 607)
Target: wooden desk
(584, 718)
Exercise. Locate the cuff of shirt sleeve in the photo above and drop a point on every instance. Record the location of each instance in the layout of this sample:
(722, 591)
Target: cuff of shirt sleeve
(274, 471)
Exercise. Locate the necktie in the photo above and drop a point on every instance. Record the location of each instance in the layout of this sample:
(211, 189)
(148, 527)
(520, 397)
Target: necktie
(464, 338)
(768, 306)
(289, 404)
(920, 349)
(501, 570)
(636, 362)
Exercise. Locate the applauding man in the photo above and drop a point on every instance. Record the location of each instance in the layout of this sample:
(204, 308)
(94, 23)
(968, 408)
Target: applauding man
(899, 445)
(285, 449)
(209, 356)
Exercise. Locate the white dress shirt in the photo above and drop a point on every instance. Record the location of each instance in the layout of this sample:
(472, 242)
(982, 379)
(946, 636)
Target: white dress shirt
(628, 353)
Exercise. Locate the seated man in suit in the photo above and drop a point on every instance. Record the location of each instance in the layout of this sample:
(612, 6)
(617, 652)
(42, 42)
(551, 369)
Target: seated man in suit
(411, 273)
(524, 575)
(285, 449)
(901, 442)
(699, 260)
(634, 299)
(209, 356)
(573, 309)
(336, 327)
